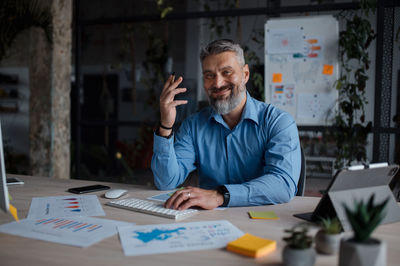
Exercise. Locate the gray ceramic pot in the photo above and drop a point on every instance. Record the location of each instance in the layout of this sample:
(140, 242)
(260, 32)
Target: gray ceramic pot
(298, 257)
(371, 253)
(327, 243)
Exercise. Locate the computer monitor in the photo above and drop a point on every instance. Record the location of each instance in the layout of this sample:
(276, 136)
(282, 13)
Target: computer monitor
(4, 203)
(355, 184)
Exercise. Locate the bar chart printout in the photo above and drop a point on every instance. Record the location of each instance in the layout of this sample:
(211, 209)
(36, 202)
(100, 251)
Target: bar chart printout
(65, 206)
(80, 232)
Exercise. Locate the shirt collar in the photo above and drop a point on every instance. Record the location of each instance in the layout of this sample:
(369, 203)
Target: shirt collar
(249, 111)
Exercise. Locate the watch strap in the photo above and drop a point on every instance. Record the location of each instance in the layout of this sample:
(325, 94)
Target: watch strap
(225, 193)
(157, 132)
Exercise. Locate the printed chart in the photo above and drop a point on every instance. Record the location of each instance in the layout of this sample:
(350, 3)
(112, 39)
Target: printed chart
(301, 67)
(167, 238)
(81, 232)
(65, 206)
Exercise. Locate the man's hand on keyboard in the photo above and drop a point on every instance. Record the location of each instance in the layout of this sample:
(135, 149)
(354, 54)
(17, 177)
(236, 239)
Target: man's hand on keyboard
(192, 196)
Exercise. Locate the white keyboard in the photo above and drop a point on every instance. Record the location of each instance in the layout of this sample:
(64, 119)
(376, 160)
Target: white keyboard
(151, 207)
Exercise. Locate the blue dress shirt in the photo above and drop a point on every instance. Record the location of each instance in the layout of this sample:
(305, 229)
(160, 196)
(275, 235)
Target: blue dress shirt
(258, 160)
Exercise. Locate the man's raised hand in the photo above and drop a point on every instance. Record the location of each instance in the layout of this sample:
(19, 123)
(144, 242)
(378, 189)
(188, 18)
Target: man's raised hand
(168, 103)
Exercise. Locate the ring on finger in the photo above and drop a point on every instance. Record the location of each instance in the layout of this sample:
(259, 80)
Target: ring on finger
(188, 194)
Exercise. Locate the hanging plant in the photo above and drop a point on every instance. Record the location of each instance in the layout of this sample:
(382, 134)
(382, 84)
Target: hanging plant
(351, 128)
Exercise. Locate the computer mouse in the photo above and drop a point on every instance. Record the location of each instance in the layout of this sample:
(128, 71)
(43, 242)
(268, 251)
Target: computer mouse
(115, 193)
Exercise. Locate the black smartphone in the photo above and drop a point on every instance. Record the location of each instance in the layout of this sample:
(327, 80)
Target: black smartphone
(87, 189)
(14, 181)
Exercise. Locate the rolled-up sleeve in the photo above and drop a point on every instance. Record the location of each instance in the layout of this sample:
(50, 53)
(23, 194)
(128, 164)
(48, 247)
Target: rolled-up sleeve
(172, 161)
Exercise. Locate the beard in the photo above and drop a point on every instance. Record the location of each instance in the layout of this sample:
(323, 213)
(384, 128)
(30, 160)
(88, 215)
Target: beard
(224, 106)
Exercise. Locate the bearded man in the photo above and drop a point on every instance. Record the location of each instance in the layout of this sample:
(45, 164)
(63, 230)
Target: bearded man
(246, 152)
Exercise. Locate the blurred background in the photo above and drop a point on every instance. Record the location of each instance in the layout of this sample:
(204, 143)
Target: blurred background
(80, 80)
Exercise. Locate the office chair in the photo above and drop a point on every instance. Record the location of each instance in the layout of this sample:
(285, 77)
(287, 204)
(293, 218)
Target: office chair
(301, 185)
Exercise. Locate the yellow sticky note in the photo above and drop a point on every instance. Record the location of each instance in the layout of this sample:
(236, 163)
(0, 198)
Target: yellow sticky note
(277, 77)
(263, 215)
(327, 70)
(252, 246)
(14, 212)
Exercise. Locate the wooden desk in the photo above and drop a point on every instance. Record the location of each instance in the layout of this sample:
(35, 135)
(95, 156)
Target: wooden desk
(16, 250)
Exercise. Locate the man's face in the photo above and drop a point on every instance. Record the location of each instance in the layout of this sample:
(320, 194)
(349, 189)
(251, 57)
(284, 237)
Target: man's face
(224, 81)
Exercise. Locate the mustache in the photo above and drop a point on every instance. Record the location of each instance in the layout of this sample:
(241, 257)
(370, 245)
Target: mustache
(215, 89)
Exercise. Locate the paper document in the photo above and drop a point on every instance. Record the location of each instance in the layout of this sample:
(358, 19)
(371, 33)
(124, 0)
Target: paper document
(162, 197)
(168, 238)
(65, 206)
(80, 232)
(285, 41)
(318, 106)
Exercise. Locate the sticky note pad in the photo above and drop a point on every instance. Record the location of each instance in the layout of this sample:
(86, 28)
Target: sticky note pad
(277, 77)
(263, 215)
(14, 212)
(252, 246)
(327, 70)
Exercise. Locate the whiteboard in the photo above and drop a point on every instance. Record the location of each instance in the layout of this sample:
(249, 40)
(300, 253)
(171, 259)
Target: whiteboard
(301, 67)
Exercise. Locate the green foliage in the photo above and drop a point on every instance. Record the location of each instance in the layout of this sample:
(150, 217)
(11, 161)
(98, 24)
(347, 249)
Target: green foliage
(351, 128)
(365, 217)
(163, 8)
(331, 226)
(19, 15)
(154, 65)
(218, 26)
(298, 237)
(257, 72)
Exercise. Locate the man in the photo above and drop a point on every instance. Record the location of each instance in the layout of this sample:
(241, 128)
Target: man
(246, 152)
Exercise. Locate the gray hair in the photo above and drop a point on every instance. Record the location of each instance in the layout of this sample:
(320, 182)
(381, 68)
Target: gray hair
(220, 46)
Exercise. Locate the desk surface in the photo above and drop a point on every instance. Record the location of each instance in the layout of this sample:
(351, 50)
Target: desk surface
(16, 250)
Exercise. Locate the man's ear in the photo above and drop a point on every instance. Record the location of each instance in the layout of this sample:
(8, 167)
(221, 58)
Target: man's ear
(246, 72)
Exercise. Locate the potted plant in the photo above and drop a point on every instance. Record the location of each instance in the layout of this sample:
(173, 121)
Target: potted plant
(350, 120)
(361, 249)
(327, 239)
(298, 251)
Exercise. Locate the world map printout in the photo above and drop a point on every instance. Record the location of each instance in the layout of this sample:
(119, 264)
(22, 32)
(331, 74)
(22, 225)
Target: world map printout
(167, 238)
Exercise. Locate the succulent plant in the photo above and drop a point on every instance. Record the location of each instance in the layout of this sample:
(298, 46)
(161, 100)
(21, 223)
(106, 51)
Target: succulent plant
(298, 238)
(331, 226)
(365, 217)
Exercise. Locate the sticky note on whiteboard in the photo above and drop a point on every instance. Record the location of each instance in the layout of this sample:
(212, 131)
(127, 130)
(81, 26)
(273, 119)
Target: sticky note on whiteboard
(327, 69)
(277, 77)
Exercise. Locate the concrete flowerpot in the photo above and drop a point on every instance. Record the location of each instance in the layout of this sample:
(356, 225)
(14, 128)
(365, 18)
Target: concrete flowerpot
(327, 243)
(370, 253)
(298, 257)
